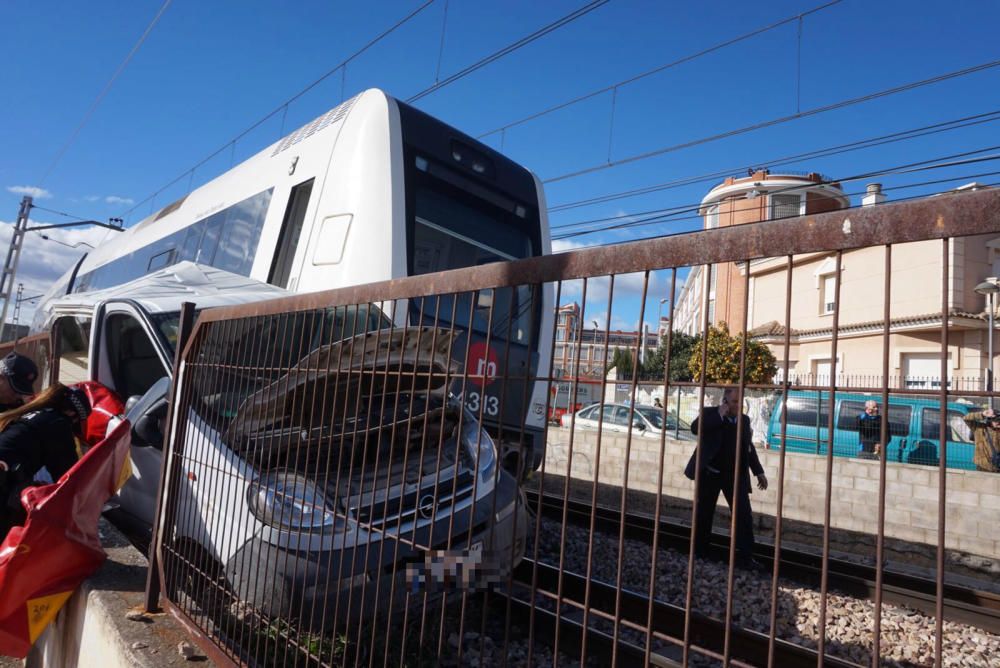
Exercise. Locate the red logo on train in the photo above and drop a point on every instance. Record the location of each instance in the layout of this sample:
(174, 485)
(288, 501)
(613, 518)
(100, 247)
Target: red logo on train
(482, 365)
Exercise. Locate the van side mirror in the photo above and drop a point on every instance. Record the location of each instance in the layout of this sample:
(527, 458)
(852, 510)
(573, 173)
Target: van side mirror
(148, 413)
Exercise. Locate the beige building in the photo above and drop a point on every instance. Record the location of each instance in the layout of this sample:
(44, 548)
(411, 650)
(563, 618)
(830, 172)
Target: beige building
(915, 323)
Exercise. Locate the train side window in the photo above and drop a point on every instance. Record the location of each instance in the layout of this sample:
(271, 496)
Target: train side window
(72, 334)
(161, 260)
(210, 240)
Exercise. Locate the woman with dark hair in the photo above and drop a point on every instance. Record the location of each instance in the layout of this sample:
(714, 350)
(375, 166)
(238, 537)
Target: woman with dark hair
(41, 433)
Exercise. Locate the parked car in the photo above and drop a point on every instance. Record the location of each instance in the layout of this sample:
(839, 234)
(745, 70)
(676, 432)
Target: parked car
(646, 421)
(291, 508)
(913, 429)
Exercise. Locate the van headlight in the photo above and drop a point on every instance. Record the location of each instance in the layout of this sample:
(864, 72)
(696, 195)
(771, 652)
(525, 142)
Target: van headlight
(288, 500)
(480, 445)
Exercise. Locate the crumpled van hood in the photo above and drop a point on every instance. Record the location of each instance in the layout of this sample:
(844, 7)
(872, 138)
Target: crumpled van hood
(325, 385)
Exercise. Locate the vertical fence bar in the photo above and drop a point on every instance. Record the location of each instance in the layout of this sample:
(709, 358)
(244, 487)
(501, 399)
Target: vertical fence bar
(782, 456)
(640, 343)
(735, 506)
(153, 581)
(569, 472)
(689, 595)
(597, 477)
(651, 592)
(824, 577)
(541, 491)
(883, 462)
(943, 452)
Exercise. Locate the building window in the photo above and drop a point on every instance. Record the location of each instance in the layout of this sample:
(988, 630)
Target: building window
(712, 217)
(560, 334)
(828, 293)
(785, 206)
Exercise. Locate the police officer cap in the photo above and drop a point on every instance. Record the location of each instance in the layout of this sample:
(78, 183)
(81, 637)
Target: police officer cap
(20, 371)
(76, 400)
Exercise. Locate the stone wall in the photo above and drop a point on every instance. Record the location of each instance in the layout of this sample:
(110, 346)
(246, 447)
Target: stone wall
(971, 510)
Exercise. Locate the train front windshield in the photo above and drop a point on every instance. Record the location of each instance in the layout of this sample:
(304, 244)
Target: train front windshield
(449, 234)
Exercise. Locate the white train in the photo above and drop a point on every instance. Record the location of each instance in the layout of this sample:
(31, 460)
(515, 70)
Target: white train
(371, 190)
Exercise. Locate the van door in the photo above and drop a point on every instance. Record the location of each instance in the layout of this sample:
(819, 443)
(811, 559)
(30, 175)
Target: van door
(960, 443)
(129, 358)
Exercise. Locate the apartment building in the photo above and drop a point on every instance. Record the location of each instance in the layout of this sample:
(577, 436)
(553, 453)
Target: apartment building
(590, 343)
(918, 310)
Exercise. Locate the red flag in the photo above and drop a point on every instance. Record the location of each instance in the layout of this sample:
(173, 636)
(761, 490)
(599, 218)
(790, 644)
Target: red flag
(43, 562)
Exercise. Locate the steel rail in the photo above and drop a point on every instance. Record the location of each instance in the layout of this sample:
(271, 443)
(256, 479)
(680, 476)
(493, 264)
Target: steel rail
(707, 633)
(976, 608)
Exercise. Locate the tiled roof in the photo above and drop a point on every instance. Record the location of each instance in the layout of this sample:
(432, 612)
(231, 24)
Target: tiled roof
(775, 329)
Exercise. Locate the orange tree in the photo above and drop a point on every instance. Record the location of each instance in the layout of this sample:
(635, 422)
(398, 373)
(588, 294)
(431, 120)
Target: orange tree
(724, 359)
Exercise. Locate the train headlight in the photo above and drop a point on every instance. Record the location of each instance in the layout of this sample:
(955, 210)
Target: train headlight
(288, 500)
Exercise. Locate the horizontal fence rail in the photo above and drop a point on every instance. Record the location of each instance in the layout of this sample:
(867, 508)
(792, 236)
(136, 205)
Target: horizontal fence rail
(415, 472)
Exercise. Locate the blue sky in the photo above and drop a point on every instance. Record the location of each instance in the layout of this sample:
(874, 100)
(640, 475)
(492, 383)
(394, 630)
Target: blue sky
(208, 70)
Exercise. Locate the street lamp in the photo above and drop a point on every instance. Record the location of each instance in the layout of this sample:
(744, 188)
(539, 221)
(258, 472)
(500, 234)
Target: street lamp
(659, 318)
(989, 290)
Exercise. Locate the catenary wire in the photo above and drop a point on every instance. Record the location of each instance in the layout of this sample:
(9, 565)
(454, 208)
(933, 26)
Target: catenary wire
(658, 69)
(427, 91)
(372, 42)
(778, 121)
(693, 209)
(696, 207)
(903, 135)
(104, 91)
(899, 169)
(675, 217)
(510, 48)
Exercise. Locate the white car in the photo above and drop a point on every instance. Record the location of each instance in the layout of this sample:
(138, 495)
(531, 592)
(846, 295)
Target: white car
(646, 421)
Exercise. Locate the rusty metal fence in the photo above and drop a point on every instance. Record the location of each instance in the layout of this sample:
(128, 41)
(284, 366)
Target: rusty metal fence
(354, 477)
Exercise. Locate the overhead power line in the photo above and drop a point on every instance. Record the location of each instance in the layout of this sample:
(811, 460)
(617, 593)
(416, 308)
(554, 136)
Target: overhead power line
(510, 48)
(940, 162)
(660, 68)
(778, 121)
(284, 105)
(871, 142)
(103, 93)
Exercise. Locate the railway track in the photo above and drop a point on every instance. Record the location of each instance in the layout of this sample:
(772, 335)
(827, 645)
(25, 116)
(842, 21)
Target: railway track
(976, 608)
(707, 633)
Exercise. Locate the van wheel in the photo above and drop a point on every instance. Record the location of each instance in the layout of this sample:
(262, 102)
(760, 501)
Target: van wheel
(196, 582)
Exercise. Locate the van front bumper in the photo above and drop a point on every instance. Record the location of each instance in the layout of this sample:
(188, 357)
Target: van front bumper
(317, 589)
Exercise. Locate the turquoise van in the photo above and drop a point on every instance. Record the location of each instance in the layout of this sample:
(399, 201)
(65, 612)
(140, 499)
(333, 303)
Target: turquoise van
(914, 427)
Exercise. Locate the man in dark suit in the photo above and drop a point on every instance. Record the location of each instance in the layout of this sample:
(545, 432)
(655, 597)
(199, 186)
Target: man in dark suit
(718, 426)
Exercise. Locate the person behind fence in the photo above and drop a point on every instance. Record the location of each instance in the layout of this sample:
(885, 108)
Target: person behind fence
(718, 426)
(870, 431)
(657, 403)
(985, 426)
(41, 433)
(19, 373)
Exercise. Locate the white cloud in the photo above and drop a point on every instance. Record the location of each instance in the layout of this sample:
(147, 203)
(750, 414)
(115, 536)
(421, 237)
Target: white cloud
(563, 245)
(33, 191)
(115, 199)
(43, 261)
(92, 198)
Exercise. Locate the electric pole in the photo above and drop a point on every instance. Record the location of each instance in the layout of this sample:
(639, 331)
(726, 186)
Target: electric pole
(13, 256)
(17, 310)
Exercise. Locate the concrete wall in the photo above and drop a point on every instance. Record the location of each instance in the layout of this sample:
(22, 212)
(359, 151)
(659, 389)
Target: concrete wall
(972, 498)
